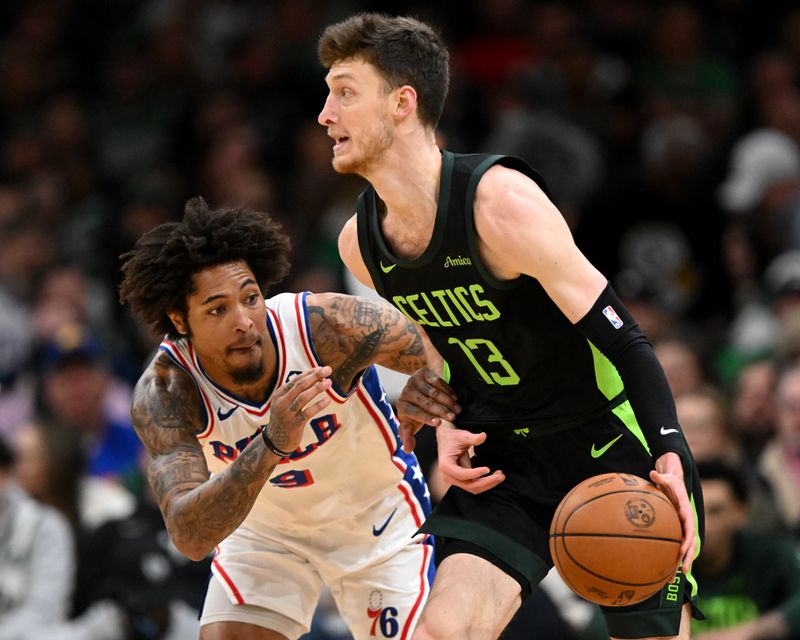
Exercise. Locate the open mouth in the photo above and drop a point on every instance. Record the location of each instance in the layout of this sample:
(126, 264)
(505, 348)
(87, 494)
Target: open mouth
(339, 142)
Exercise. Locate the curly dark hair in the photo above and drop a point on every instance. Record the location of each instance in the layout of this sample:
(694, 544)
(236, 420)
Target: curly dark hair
(403, 49)
(158, 271)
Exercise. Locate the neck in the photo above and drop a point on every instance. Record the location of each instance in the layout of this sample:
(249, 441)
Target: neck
(407, 178)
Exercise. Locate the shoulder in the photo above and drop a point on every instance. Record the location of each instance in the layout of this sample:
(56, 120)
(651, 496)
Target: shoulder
(503, 190)
(161, 387)
(348, 237)
(350, 252)
(507, 202)
(161, 372)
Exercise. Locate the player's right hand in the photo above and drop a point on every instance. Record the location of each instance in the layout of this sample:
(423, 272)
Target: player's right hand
(455, 463)
(292, 407)
(425, 399)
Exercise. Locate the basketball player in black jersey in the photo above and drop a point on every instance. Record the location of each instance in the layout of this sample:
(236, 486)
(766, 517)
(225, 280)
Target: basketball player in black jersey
(556, 381)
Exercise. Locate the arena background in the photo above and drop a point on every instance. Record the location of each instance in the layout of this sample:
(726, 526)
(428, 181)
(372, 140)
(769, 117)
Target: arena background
(669, 133)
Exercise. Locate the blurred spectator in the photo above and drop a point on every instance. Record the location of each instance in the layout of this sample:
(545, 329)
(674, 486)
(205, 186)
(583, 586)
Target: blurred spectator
(668, 132)
(750, 583)
(703, 416)
(132, 563)
(37, 560)
(683, 74)
(661, 251)
(51, 467)
(27, 247)
(780, 460)
(78, 391)
(782, 278)
(762, 188)
(705, 419)
(682, 364)
(754, 407)
(760, 161)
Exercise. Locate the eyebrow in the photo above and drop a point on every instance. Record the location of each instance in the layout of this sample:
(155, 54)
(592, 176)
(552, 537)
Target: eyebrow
(246, 283)
(340, 75)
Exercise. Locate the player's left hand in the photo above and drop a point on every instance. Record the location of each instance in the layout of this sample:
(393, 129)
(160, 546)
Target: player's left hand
(455, 463)
(668, 475)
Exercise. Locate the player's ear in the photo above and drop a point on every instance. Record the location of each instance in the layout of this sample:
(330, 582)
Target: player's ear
(406, 102)
(179, 322)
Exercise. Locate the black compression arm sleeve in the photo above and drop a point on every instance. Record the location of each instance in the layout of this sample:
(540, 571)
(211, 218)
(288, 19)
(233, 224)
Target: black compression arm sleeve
(610, 327)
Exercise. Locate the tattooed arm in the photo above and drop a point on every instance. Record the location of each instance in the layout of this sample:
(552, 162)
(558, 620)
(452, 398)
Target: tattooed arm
(351, 333)
(199, 511)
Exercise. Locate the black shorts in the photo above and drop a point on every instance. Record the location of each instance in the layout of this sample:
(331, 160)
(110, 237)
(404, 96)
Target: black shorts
(510, 524)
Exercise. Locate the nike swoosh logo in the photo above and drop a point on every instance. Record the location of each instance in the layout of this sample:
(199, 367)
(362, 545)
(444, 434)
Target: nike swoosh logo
(666, 431)
(227, 414)
(377, 532)
(596, 453)
(386, 269)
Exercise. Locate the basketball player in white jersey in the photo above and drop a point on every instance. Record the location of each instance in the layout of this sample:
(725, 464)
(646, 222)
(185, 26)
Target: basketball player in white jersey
(270, 440)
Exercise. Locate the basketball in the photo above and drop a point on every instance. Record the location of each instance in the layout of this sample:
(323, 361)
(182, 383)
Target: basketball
(615, 539)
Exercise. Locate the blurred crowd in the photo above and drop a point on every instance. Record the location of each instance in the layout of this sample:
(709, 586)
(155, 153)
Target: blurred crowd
(669, 133)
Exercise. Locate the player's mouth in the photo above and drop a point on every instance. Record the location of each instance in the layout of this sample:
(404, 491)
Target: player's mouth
(339, 142)
(245, 346)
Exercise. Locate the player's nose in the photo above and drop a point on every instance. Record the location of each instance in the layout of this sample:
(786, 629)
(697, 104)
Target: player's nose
(326, 116)
(243, 321)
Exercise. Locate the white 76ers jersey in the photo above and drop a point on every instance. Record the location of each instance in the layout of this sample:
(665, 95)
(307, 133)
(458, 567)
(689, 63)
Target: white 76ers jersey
(350, 459)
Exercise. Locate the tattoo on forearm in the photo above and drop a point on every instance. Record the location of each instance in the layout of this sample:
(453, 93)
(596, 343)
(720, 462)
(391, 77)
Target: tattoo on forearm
(361, 356)
(211, 511)
(199, 512)
(351, 333)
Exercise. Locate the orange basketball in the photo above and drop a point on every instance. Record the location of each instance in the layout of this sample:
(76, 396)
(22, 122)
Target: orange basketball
(615, 539)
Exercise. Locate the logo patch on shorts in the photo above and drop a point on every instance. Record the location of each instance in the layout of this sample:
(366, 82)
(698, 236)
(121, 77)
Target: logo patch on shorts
(385, 622)
(612, 317)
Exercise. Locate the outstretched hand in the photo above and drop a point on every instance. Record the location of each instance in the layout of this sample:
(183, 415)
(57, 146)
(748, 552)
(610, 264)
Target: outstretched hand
(425, 399)
(668, 475)
(455, 463)
(291, 410)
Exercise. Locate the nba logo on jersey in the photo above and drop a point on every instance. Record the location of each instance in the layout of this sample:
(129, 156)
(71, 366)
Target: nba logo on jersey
(612, 316)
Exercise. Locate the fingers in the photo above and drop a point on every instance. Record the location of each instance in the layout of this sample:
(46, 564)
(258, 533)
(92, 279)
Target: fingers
(304, 381)
(293, 398)
(675, 489)
(303, 398)
(455, 463)
(439, 388)
(478, 485)
(314, 409)
(428, 399)
(427, 404)
(406, 432)
(456, 473)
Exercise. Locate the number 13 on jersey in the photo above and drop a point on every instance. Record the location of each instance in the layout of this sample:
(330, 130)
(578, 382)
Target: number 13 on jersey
(475, 348)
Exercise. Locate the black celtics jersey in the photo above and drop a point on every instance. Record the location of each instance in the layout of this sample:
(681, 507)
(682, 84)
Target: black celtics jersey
(514, 359)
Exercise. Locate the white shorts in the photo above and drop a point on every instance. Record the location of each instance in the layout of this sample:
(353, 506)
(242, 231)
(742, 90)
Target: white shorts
(277, 585)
